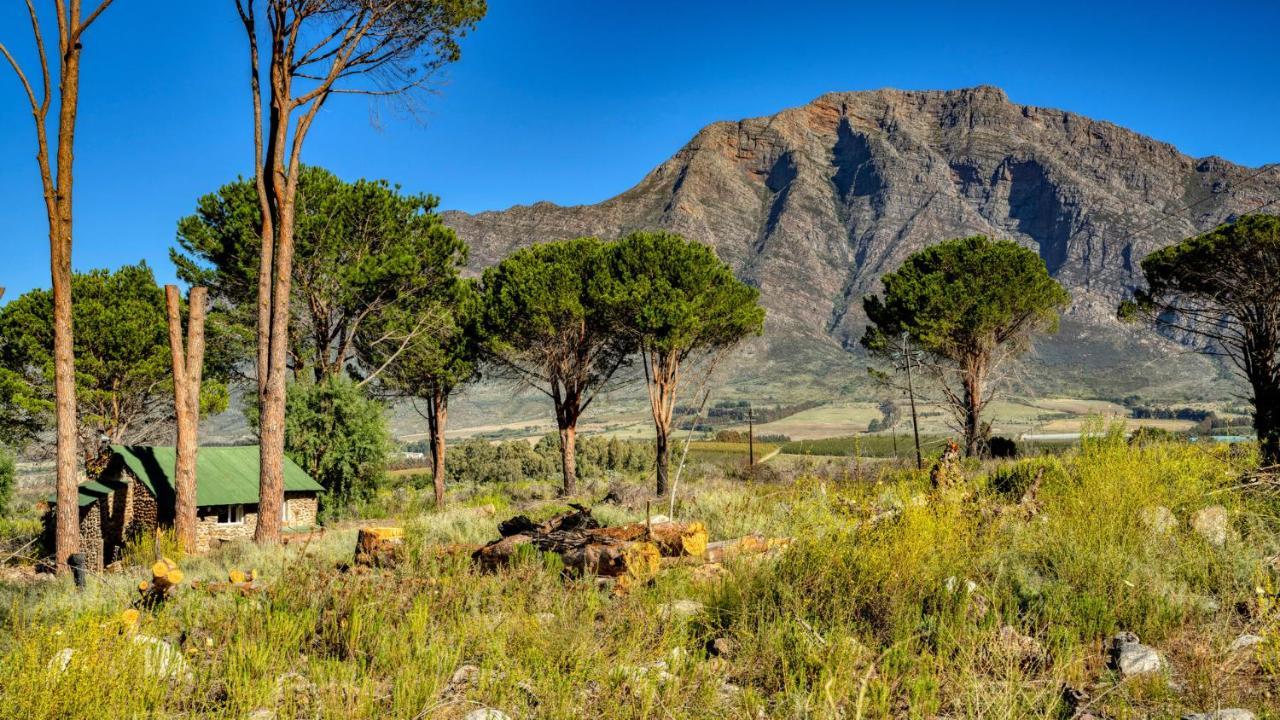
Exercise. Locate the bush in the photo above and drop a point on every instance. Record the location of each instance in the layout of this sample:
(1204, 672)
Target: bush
(339, 436)
(1013, 480)
(1003, 447)
(8, 473)
(1151, 435)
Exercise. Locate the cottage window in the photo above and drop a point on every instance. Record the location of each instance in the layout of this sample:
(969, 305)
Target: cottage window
(231, 515)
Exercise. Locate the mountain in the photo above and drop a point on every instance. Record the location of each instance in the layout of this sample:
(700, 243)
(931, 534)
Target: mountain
(814, 204)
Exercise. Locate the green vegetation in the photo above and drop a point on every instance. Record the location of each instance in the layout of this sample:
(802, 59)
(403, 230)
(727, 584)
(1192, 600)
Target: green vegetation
(1220, 286)
(124, 382)
(970, 305)
(339, 436)
(893, 600)
(8, 475)
(674, 298)
(545, 321)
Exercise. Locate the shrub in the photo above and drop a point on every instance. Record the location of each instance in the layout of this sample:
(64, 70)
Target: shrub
(1003, 447)
(1013, 480)
(8, 473)
(339, 436)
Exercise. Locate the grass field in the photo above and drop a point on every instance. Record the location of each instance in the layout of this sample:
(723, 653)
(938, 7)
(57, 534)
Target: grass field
(892, 600)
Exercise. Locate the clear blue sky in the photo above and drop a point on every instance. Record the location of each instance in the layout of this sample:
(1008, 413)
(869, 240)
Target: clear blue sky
(574, 101)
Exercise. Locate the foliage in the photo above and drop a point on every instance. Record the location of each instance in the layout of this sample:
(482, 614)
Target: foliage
(339, 436)
(1149, 434)
(1013, 480)
(546, 322)
(124, 382)
(968, 304)
(364, 249)
(477, 461)
(674, 296)
(856, 618)
(1220, 287)
(8, 477)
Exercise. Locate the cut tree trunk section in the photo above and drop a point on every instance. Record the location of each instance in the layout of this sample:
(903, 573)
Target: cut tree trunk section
(187, 372)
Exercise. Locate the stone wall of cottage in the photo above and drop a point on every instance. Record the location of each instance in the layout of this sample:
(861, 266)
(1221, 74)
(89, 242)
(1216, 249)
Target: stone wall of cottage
(301, 509)
(91, 545)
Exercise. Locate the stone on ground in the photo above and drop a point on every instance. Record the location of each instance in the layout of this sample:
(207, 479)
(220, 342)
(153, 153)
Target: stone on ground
(1223, 714)
(1211, 523)
(1130, 657)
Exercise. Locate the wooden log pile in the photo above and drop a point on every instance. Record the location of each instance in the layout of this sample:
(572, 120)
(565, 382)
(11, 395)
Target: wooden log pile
(632, 553)
(165, 576)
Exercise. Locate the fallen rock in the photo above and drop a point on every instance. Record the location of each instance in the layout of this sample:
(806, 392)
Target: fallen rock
(61, 660)
(1244, 642)
(161, 659)
(680, 609)
(487, 714)
(1018, 645)
(1211, 523)
(1130, 657)
(463, 678)
(723, 647)
(1223, 714)
(1159, 519)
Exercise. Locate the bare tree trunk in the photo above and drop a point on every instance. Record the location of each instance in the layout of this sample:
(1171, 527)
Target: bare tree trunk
(56, 183)
(663, 374)
(974, 380)
(437, 415)
(188, 368)
(1266, 421)
(568, 463)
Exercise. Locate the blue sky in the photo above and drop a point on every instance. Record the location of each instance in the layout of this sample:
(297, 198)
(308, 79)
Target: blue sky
(574, 101)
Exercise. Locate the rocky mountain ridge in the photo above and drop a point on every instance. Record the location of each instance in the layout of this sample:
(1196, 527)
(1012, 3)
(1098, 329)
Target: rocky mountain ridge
(815, 203)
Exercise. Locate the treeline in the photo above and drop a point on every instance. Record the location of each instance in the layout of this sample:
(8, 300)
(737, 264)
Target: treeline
(737, 411)
(480, 461)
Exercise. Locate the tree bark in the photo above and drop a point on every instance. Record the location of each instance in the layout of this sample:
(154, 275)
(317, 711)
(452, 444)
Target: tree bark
(974, 381)
(187, 372)
(56, 184)
(568, 463)
(663, 375)
(1266, 421)
(437, 415)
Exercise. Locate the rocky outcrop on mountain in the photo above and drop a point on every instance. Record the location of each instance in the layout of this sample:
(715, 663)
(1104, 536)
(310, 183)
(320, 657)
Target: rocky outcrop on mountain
(814, 204)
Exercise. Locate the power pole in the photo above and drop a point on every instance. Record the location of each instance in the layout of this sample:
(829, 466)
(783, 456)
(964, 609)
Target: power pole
(751, 436)
(911, 392)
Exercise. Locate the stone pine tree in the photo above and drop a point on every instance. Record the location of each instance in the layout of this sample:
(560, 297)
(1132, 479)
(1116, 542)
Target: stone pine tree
(188, 367)
(435, 365)
(969, 304)
(547, 324)
(1222, 287)
(314, 50)
(56, 165)
(673, 298)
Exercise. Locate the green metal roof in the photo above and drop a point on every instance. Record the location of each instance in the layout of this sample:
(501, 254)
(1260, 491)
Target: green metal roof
(224, 475)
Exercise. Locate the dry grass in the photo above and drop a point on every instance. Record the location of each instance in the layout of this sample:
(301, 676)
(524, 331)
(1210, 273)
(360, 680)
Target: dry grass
(860, 617)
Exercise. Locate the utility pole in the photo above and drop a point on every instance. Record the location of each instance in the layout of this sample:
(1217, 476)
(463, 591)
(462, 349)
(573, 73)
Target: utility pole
(751, 436)
(911, 392)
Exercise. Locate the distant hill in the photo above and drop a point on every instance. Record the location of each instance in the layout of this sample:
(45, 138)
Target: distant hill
(814, 204)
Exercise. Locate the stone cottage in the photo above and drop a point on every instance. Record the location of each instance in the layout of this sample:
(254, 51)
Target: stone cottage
(135, 493)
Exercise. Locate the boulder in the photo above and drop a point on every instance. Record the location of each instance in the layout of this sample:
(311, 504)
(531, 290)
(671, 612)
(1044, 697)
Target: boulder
(486, 714)
(1130, 657)
(1159, 519)
(161, 659)
(1223, 714)
(680, 609)
(1244, 642)
(1212, 524)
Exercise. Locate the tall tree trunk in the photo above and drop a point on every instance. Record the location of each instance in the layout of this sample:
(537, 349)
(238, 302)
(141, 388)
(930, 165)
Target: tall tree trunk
(974, 381)
(271, 428)
(568, 462)
(663, 371)
(1266, 421)
(188, 368)
(437, 415)
(67, 520)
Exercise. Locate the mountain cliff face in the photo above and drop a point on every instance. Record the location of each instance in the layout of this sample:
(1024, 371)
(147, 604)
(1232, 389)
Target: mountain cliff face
(814, 204)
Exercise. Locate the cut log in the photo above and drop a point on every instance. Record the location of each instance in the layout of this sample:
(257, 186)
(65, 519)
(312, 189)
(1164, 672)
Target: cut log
(632, 553)
(747, 545)
(379, 546)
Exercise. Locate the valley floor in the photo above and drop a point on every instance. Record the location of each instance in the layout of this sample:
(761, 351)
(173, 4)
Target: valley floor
(993, 596)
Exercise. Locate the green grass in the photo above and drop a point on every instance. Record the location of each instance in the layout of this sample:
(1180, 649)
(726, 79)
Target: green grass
(868, 614)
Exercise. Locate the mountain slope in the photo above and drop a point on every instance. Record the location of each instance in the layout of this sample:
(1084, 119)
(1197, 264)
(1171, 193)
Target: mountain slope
(814, 204)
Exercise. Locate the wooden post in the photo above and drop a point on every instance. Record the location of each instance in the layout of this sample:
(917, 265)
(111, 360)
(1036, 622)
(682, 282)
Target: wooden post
(751, 436)
(187, 371)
